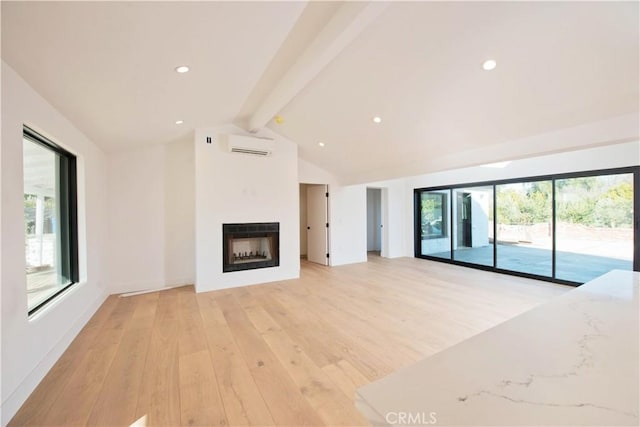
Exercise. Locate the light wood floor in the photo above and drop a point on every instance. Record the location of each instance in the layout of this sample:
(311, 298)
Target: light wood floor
(287, 353)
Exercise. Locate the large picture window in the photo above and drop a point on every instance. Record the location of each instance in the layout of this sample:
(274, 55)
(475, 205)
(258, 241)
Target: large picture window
(50, 219)
(568, 228)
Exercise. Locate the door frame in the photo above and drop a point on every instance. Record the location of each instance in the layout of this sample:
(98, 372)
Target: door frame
(384, 216)
(327, 229)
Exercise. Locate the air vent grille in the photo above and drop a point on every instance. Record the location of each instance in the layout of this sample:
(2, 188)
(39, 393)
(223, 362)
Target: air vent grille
(249, 151)
(251, 145)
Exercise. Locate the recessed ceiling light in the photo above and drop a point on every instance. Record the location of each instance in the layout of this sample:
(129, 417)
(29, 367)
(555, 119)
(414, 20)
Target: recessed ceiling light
(489, 65)
(321, 144)
(182, 69)
(377, 119)
(179, 122)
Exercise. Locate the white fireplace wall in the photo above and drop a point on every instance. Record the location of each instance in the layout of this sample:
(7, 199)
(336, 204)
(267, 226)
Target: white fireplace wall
(239, 188)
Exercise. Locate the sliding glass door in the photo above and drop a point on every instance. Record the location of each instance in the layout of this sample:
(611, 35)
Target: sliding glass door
(594, 226)
(524, 240)
(473, 225)
(435, 229)
(568, 228)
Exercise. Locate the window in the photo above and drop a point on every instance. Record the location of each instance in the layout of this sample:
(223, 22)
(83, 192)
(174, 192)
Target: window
(434, 224)
(434, 214)
(50, 219)
(594, 226)
(473, 225)
(524, 240)
(567, 228)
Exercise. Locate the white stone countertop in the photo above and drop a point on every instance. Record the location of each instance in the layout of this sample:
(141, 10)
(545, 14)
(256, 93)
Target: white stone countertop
(572, 361)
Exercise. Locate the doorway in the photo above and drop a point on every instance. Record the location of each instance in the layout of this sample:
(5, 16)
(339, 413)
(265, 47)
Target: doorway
(374, 220)
(465, 233)
(314, 223)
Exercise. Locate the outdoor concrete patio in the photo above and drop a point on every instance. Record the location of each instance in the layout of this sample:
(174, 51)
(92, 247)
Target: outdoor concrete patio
(570, 266)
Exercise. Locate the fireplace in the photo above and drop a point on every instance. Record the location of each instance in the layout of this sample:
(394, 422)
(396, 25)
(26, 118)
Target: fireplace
(250, 246)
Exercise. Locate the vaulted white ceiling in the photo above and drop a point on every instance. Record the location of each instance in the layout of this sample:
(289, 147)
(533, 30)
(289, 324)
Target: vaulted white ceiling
(109, 67)
(418, 67)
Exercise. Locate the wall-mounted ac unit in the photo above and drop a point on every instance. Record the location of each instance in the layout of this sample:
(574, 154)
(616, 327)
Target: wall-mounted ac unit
(249, 145)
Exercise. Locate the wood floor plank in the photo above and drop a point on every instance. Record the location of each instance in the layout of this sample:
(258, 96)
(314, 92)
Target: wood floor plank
(326, 336)
(371, 331)
(288, 353)
(243, 403)
(80, 393)
(334, 407)
(35, 409)
(282, 395)
(190, 323)
(116, 404)
(346, 377)
(159, 394)
(200, 402)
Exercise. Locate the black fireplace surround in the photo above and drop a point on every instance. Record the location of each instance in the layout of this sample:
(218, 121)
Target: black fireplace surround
(250, 246)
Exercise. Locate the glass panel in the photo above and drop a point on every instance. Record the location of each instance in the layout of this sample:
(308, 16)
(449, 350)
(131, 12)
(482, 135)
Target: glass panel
(42, 223)
(524, 227)
(594, 226)
(435, 230)
(473, 225)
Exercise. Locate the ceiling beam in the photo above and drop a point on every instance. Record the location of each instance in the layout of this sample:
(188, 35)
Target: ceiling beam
(343, 27)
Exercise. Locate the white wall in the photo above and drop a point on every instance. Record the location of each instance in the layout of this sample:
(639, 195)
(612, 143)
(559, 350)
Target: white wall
(347, 204)
(308, 173)
(347, 215)
(179, 213)
(151, 217)
(613, 130)
(347, 224)
(31, 346)
(237, 188)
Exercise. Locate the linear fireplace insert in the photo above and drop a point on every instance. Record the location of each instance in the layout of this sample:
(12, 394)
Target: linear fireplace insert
(249, 246)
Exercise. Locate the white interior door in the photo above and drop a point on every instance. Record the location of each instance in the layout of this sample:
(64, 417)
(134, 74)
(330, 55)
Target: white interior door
(317, 220)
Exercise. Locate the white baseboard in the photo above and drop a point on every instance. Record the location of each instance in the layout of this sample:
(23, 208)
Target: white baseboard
(148, 291)
(156, 285)
(14, 401)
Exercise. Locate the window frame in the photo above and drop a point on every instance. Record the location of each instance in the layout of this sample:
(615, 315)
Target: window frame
(68, 187)
(634, 170)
